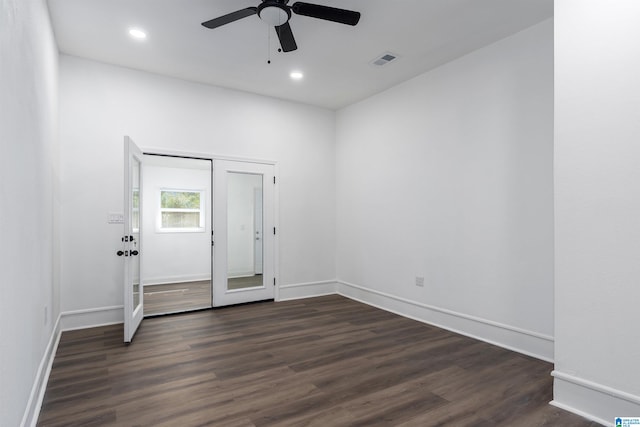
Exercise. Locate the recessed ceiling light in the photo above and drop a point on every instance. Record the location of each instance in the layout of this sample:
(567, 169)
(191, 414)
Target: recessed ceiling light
(296, 75)
(137, 34)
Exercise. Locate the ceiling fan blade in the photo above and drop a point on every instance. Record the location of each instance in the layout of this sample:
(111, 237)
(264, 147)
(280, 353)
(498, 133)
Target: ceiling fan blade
(231, 17)
(287, 41)
(327, 13)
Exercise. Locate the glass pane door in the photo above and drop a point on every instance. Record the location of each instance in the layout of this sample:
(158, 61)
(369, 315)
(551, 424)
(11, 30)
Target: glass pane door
(243, 251)
(132, 239)
(135, 232)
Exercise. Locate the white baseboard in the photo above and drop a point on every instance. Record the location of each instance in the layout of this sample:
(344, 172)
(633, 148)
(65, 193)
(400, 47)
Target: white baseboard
(66, 321)
(91, 318)
(167, 280)
(520, 340)
(591, 400)
(306, 290)
(32, 411)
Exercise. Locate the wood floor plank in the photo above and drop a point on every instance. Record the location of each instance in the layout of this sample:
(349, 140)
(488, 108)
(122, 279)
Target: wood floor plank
(176, 297)
(326, 361)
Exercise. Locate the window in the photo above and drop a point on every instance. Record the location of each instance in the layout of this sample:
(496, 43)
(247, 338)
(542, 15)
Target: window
(181, 210)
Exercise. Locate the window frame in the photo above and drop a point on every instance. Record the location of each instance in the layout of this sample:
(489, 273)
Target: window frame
(202, 210)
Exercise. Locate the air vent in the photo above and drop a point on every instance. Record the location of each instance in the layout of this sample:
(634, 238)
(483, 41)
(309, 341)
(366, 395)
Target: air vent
(384, 59)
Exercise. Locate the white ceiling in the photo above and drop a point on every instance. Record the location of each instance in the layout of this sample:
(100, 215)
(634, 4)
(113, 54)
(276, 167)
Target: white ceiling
(335, 58)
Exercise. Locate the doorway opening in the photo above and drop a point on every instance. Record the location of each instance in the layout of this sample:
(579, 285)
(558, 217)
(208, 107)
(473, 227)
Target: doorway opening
(177, 227)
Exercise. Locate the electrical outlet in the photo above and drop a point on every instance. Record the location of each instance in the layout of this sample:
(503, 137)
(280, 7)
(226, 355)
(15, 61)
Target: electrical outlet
(420, 281)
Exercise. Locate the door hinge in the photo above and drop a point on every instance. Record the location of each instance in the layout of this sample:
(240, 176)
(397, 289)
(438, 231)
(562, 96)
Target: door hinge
(274, 281)
(274, 230)
(274, 179)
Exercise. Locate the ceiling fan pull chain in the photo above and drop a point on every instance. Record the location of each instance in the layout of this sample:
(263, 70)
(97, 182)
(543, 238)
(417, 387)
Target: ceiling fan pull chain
(268, 45)
(279, 32)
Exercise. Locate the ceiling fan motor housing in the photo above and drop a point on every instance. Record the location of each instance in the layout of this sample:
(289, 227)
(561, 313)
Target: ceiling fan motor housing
(274, 13)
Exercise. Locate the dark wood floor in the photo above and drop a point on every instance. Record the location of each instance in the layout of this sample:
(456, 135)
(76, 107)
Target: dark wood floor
(325, 361)
(188, 296)
(176, 297)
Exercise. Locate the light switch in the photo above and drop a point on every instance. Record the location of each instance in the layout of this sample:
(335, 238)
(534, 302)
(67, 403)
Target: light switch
(115, 218)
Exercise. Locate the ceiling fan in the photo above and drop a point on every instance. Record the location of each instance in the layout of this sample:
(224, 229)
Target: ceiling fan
(277, 13)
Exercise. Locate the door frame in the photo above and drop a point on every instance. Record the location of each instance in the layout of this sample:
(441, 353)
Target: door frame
(276, 199)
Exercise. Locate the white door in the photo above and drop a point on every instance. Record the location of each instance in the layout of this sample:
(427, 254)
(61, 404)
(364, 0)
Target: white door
(132, 243)
(235, 186)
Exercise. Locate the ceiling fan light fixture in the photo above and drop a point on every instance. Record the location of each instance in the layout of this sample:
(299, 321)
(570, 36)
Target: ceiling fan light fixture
(137, 34)
(274, 14)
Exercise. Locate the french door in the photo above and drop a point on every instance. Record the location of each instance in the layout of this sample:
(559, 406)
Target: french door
(132, 241)
(244, 232)
(243, 235)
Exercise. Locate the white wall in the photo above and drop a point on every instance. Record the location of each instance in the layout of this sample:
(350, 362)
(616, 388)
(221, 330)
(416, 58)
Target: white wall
(28, 168)
(448, 176)
(100, 104)
(171, 257)
(597, 216)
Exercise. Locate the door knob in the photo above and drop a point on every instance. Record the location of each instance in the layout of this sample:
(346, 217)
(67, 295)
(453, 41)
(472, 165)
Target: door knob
(119, 253)
(134, 252)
